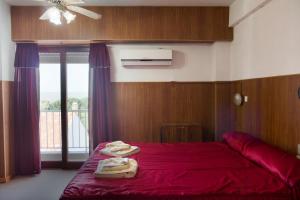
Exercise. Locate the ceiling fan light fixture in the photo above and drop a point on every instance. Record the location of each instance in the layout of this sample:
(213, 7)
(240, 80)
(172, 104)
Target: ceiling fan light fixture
(54, 16)
(69, 16)
(66, 9)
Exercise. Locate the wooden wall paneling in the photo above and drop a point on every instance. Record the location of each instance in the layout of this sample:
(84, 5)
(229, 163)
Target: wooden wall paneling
(273, 97)
(272, 112)
(141, 108)
(192, 103)
(223, 108)
(222, 20)
(249, 119)
(138, 110)
(293, 113)
(8, 127)
(6, 131)
(281, 112)
(236, 87)
(166, 24)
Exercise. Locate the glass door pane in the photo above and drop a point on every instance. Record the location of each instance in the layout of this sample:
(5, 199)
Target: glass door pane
(50, 109)
(77, 106)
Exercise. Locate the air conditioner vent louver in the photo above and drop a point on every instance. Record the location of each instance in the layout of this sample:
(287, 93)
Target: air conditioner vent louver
(146, 57)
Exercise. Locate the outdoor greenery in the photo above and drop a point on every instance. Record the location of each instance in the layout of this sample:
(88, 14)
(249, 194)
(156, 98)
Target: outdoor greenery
(72, 104)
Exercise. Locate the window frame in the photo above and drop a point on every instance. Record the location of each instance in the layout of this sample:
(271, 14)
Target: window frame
(63, 50)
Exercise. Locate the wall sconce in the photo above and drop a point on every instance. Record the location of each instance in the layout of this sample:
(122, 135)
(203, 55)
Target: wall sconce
(238, 99)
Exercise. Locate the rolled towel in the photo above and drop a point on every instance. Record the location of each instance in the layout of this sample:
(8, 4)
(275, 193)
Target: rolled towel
(123, 153)
(125, 173)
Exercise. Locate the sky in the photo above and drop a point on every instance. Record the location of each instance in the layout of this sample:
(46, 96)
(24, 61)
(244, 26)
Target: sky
(77, 81)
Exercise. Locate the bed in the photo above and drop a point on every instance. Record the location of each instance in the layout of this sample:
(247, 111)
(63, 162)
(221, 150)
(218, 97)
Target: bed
(242, 168)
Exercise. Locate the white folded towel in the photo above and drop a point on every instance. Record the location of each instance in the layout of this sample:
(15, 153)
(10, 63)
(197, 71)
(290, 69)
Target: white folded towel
(119, 149)
(122, 153)
(116, 143)
(130, 172)
(117, 146)
(114, 164)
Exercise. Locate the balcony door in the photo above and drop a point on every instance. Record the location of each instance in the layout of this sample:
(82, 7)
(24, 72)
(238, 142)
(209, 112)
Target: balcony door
(64, 74)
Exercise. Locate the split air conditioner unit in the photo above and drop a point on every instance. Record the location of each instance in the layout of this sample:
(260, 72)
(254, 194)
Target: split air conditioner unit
(146, 57)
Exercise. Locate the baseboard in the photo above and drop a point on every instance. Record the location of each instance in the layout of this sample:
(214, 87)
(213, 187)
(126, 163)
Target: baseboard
(2, 180)
(5, 180)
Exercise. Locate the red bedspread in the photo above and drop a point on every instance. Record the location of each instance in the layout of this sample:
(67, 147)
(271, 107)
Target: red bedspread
(200, 171)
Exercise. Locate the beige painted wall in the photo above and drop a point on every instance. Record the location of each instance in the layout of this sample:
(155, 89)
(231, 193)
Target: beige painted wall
(267, 42)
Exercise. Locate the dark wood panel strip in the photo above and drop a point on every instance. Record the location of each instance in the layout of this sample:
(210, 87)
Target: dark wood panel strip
(127, 24)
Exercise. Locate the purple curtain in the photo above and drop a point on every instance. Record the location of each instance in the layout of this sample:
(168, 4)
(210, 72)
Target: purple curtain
(100, 121)
(26, 105)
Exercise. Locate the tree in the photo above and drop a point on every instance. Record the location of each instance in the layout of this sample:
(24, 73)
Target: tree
(56, 105)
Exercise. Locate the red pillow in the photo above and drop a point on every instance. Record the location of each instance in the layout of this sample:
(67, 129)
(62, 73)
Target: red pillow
(284, 165)
(238, 140)
(280, 163)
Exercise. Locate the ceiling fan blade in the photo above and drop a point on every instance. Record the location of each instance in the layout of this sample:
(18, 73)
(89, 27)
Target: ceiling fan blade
(66, 2)
(69, 2)
(84, 12)
(42, 2)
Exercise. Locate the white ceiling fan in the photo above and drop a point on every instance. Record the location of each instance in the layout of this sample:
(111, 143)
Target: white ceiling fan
(65, 8)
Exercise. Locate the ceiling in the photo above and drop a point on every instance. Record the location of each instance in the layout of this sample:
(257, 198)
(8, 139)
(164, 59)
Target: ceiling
(135, 2)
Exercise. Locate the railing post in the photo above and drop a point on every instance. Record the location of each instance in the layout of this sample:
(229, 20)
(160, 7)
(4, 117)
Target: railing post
(56, 145)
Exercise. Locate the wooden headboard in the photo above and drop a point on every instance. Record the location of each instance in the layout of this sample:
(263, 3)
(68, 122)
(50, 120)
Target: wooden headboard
(181, 132)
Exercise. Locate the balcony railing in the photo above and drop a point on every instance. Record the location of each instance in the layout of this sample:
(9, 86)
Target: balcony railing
(50, 131)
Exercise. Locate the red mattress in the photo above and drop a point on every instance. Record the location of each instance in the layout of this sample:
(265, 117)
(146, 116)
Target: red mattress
(200, 171)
